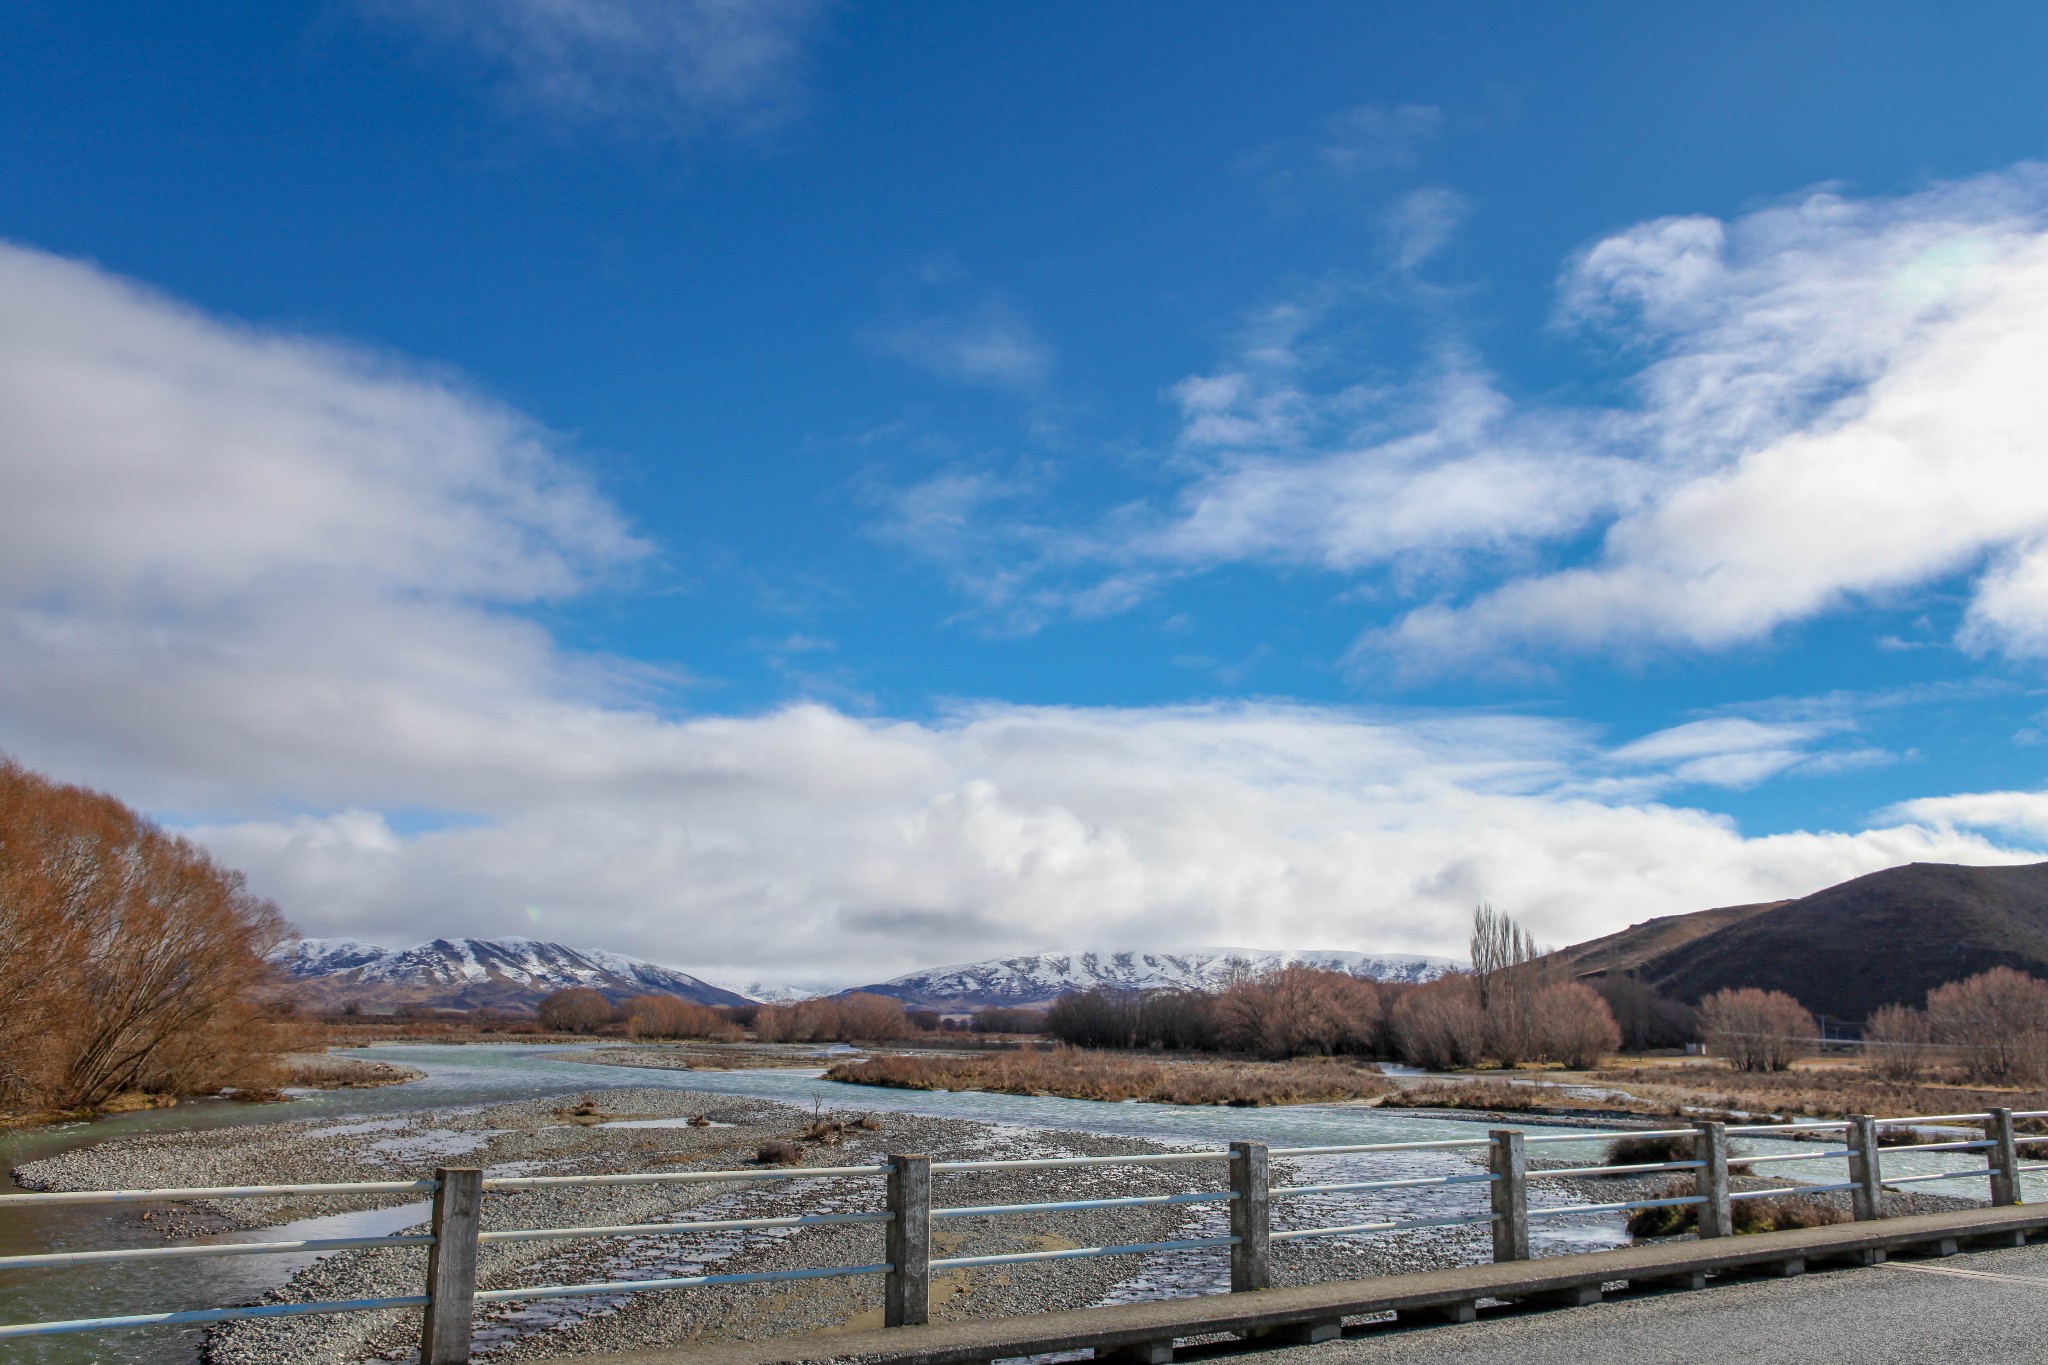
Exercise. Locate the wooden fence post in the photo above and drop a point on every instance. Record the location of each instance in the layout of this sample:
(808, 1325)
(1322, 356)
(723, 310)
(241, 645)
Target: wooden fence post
(2003, 1157)
(451, 1266)
(907, 1293)
(1251, 1217)
(1508, 1162)
(1710, 1181)
(1868, 1195)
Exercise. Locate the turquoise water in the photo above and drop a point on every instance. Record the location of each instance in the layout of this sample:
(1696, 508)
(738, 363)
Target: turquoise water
(478, 1075)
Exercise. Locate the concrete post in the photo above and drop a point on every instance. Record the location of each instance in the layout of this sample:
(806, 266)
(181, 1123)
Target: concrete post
(1251, 1218)
(2003, 1157)
(1868, 1195)
(907, 1291)
(1508, 1162)
(451, 1267)
(1710, 1181)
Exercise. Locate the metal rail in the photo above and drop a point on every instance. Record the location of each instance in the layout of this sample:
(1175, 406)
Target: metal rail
(1083, 1253)
(1124, 1202)
(50, 1258)
(217, 1192)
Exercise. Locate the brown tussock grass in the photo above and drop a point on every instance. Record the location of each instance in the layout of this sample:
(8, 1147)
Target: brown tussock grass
(1083, 1075)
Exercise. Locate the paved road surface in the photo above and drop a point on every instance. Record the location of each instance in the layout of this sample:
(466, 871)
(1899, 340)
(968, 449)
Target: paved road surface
(1978, 1307)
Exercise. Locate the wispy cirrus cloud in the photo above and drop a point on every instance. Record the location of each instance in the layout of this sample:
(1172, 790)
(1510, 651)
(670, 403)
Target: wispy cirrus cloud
(988, 343)
(664, 69)
(1832, 403)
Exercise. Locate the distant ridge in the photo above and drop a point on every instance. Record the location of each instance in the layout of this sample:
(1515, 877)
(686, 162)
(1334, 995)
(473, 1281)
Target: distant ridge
(1040, 978)
(1886, 938)
(476, 973)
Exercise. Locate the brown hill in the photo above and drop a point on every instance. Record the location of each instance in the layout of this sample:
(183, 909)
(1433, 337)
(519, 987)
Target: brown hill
(1887, 938)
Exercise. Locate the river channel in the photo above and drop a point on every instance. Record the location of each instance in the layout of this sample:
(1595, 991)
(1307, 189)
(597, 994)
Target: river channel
(487, 1074)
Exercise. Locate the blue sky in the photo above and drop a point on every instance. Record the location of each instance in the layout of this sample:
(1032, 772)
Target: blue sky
(950, 480)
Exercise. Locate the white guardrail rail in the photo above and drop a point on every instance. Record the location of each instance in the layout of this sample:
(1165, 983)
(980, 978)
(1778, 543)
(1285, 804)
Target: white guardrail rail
(450, 1292)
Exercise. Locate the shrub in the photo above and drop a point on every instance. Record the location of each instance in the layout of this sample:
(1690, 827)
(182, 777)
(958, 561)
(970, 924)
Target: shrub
(670, 1016)
(1895, 1043)
(578, 1009)
(1008, 1021)
(1646, 1017)
(1998, 1020)
(130, 960)
(1300, 1011)
(1756, 1030)
(1775, 1213)
(1643, 1151)
(1439, 1025)
(860, 1016)
(778, 1152)
(1570, 1023)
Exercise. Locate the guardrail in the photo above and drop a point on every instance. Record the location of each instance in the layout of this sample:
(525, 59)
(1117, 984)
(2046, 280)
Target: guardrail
(456, 1232)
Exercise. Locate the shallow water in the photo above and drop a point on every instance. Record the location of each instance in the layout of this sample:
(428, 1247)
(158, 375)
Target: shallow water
(486, 1074)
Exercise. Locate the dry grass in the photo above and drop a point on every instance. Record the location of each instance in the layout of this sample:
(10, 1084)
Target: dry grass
(1773, 1214)
(1809, 1092)
(1083, 1075)
(320, 1071)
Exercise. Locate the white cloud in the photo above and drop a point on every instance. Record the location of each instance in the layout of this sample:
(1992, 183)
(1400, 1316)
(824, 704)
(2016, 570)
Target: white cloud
(1373, 137)
(990, 344)
(271, 586)
(1837, 403)
(670, 68)
(806, 839)
(2022, 815)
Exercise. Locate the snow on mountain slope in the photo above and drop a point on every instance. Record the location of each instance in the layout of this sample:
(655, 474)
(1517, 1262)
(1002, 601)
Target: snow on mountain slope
(1043, 977)
(470, 973)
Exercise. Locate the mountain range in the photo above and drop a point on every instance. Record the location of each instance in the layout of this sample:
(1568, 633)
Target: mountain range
(1041, 978)
(1886, 938)
(476, 973)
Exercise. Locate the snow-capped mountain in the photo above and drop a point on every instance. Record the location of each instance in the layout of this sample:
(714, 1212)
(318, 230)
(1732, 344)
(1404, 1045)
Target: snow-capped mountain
(470, 973)
(1043, 977)
(780, 992)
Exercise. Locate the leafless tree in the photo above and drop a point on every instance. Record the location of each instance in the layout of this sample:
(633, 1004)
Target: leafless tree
(129, 959)
(1756, 1030)
(1896, 1039)
(1998, 1020)
(1440, 1025)
(1572, 1024)
(579, 1009)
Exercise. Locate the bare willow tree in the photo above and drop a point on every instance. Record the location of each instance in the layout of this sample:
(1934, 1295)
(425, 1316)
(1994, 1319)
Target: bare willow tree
(1896, 1042)
(1756, 1030)
(1998, 1021)
(129, 959)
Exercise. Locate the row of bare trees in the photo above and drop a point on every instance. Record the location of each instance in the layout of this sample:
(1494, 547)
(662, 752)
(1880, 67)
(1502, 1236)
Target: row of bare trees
(129, 959)
(1994, 1023)
(1511, 1008)
(580, 1009)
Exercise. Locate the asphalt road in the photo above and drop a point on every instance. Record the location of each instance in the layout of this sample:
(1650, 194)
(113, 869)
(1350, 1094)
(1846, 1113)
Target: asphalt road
(1978, 1307)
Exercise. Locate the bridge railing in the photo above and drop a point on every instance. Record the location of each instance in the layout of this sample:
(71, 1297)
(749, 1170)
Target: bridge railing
(451, 1292)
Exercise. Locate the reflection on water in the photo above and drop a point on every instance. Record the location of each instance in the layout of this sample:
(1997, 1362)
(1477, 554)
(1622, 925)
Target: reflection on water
(477, 1075)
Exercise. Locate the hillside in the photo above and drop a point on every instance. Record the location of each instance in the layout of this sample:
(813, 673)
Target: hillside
(1885, 938)
(1040, 978)
(475, 973)
(1640, 944)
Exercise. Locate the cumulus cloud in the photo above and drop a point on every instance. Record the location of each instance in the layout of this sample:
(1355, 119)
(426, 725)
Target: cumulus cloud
(807, 838)
(669, 68)
(273, 587)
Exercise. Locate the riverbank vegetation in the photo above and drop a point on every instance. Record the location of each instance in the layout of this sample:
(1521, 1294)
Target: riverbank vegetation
(1084, 1075)
(130, 961)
